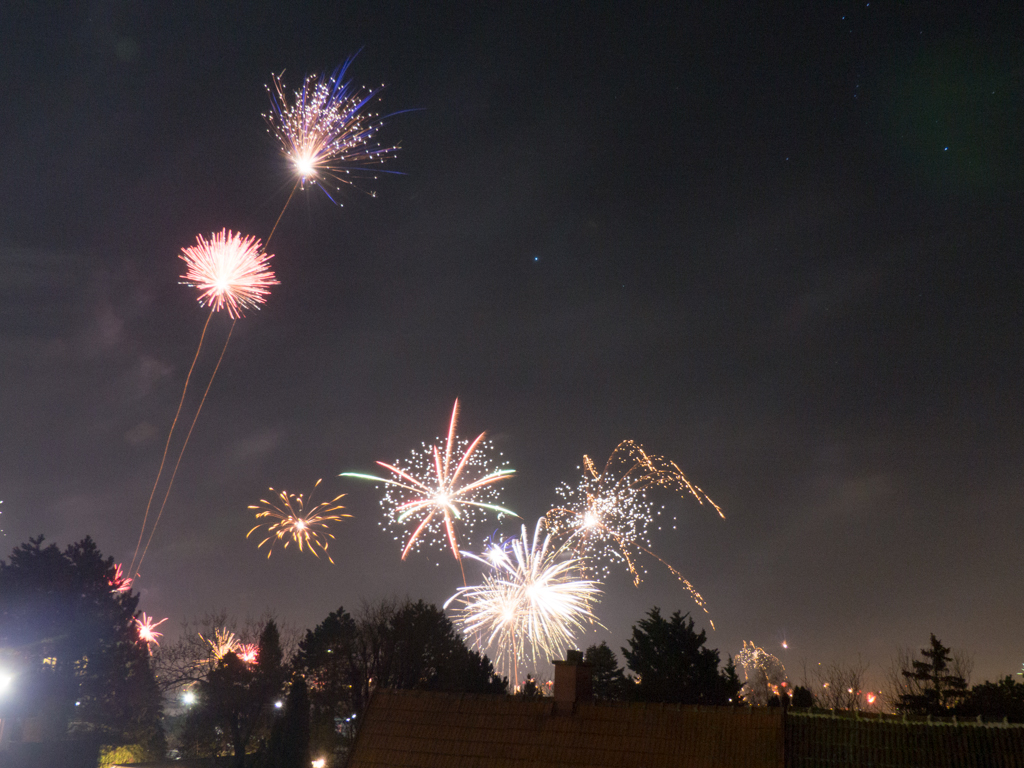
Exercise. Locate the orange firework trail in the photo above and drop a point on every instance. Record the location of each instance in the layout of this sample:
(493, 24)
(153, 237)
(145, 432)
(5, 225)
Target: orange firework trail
(232, 272)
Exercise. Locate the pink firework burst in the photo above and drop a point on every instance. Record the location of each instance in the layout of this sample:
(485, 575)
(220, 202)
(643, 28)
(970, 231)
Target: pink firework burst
(119, 582)
(248, 652)
(147, 628)
(230, 270)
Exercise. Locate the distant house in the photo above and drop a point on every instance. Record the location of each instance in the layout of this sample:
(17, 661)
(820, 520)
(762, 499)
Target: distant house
(419, 729)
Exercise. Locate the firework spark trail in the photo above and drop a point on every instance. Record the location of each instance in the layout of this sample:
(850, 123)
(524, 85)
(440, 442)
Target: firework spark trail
(440, 489)
(607, 515)
(530, 604)
(231, 272)
(326, 131)
(147, 629)
(295, 524)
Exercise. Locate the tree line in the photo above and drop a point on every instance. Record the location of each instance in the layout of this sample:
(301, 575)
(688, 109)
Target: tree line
(74, 667)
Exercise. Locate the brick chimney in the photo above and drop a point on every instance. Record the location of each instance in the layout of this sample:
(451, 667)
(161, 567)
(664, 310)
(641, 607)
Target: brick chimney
(573, 682)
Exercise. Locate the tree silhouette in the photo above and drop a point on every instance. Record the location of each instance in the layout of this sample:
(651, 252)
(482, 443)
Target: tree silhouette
(290, 739)
(71, 640)
(328, 657)
(609, 681)
(672, 665)
(235, 707)
(391, 645)
(995, 701)
(935, 688)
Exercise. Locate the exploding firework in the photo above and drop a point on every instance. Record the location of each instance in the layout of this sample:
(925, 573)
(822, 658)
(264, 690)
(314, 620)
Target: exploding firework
(289, 521)
(763, 674)
(607, 516)
(230, 270)
(221, 643)
(147, 629)
(327, 131)
(248, 652)
(118, 581)
(440, 489)
(530, 603)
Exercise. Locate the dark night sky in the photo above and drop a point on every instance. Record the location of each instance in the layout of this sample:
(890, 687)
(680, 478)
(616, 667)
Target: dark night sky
(779, 245)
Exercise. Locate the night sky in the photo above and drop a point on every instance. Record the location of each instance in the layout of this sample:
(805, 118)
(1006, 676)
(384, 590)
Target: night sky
(779, 244)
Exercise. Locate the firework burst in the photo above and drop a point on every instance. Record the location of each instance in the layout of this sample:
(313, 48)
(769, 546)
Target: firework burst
(440, 489)
(288, 520)
(248, 652)
(326, 130)
(230, 270)
(763, 674)
(607, 516)
(147, 629)
(530, 604)
(118, 581)
(223, 642)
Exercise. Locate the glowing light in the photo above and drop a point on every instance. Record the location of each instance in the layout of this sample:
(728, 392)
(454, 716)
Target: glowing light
(870, 698)
(229, 270)
(529, 605)
(326, 130)
(147, 629)
(440, 489)
(291, 522)
(188, 698)
(607, 517)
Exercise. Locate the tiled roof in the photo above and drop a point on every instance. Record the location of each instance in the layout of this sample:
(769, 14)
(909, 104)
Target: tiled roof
(412, 729)
(814, 740)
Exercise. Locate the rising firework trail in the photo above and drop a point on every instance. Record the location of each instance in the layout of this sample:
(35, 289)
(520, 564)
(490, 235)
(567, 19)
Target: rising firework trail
(327, 131)
(607, 516)
(441, 489)
(288, 520)
(530, 604)
(232, 272)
